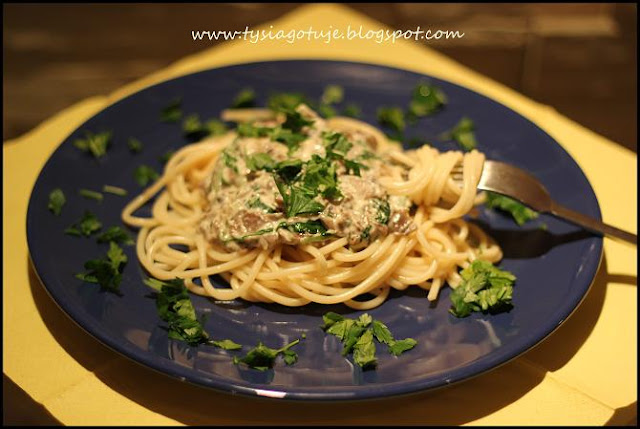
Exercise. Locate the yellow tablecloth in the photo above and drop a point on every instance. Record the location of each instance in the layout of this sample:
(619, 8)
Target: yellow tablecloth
(584, 374)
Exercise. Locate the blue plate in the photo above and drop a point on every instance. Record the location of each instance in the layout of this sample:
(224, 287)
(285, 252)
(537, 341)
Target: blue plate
(554, 265)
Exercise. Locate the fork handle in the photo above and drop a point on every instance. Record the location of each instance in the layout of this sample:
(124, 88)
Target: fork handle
(592, 224)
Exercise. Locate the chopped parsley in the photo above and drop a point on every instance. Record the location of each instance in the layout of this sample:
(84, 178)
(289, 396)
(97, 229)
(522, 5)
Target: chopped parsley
(260, 161)
(115, 234)
(357, 337)
(463, 134)
(383, 211)
(425, 100)
(229, 160)
(245, 98)
(294, 120)
(135, 145)
(96, 144)
(91, 194)
(145, 174)
(175, 307)
(332, 94)
(87, 225)
(173, 111)
(352, 110)
(193, 128)
(285, 100)
(520, 213)
(263, 358)
(114, 190)
(106, 272)
(257, 203)
(297, 200)
(56, 201)
(484, 288)
(392, 117)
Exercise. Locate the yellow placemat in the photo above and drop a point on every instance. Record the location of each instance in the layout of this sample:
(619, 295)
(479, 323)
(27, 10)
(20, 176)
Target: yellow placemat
(584, 374)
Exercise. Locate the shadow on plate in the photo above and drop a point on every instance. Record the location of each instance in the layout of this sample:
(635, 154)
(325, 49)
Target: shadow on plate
(195, 405)
(529, 243)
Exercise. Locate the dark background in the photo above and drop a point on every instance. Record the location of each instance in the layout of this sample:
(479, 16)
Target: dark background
(579, 58)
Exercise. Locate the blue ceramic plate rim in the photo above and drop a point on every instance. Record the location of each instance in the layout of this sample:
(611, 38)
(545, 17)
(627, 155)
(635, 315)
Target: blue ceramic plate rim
(496, 358)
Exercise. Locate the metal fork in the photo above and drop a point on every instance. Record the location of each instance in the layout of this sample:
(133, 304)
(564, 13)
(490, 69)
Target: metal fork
(515, 183)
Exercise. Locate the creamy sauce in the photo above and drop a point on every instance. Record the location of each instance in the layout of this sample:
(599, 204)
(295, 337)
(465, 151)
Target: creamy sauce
(247, 209)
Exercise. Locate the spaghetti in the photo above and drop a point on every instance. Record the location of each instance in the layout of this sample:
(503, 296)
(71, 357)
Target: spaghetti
(349, 255)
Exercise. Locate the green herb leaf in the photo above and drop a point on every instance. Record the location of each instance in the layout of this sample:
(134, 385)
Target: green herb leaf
(463, 134)
(117, 235)
(296, 201)
(332, 94)
(256, 203)
(383, 211)
(135, 145)
(364, 351)
(425, 100)
(245, 98)
(520, 213)
(285, 100)
(260, 161)
(401, 346)
(86, 226)
(357, 337)
(263, 358)
(294, 120)
(114, 190)
(96, 144)
(106, 272)
(56, 201)
(91, 194)
(352, 110)
(145, 174)
(382, 333)
(226, 344)
(173, 111)
(174, 307)
(484, 287)
(392, 117)
(330, 319)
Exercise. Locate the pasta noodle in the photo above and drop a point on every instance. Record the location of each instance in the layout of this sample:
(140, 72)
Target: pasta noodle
(171, 243)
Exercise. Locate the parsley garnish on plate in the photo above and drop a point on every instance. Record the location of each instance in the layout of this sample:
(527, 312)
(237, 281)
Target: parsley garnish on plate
(426, 99)
(115, 234)
(56, 201)
(106, 272)
(96, 144)
(145, 174)
(463, 134)
(86, 226)
(93, 195)
(173, 111)
(286, 100)
(357, 337)
(520, 213)
(175, 307)
(392, 117)
(263, 358)
(352, 110)
(245, 98)
(135, 145)
(194, 128)
(484, 288)
(115, 190)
